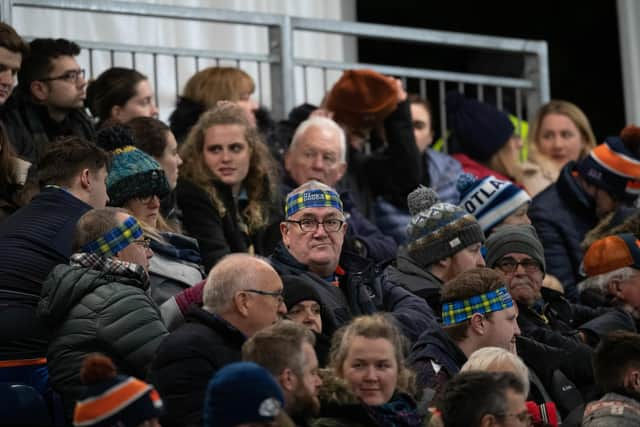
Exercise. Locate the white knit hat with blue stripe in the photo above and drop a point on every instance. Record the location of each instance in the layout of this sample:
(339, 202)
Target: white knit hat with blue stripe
(490, 199)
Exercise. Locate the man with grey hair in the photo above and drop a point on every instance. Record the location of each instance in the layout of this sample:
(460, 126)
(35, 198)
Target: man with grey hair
(318, 151)
(242, 295)
(348, 285)
(286, 350)
(612, 265)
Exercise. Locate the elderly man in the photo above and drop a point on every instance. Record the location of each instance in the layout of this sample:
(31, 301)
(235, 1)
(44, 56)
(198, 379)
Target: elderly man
(242, 295)
(312, 237)
(98, 303)
(318, 151)
(612, 265)
(286, 350)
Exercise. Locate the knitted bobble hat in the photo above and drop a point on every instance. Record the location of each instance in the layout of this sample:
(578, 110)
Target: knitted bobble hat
(490, 199)
(133, 172)
(614, 166)
(113, 399)
(438, 230)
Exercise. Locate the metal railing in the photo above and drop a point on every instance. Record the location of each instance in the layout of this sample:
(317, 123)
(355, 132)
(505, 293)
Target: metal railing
(277, 72)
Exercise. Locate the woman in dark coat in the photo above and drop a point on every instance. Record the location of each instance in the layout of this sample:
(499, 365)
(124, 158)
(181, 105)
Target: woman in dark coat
(227, 187)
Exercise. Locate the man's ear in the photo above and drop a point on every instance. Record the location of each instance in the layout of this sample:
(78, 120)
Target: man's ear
(39, 90)
(284, 231)
(614, 287)
(241, 301)
(477, 323)
(488, 420)
(287, 160)
(85, 179)
(115, 112)
(288, 380)
(632, 380)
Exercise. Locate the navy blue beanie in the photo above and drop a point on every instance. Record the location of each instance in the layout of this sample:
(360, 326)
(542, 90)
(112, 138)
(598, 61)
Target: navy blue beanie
(240, 393)
(480, 128)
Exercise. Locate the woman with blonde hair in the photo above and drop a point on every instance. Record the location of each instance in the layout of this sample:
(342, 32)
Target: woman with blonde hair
(559, 133)
(226, 188)
(368, 383)
(205, 89)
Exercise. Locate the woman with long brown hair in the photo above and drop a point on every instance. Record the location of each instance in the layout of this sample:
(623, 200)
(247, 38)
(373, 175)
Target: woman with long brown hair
(226, 188)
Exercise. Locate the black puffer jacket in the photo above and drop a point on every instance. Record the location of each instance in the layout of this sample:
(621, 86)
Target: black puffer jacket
(93, 311)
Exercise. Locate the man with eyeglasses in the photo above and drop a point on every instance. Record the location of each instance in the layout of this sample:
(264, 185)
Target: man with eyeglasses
(545, 315)
(242, 295)
(49, 100)
(318, 151)
(98, 303)
(349, 285)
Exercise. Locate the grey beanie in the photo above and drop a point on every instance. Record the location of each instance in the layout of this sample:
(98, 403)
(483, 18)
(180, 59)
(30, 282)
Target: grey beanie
(514, 238)
(438, 230)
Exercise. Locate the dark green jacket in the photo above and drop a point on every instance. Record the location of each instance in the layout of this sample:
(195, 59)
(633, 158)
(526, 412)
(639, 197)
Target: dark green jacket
(93, 311)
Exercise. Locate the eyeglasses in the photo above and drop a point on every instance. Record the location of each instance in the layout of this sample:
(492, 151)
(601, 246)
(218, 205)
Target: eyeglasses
(510, 265)
(70, 76)
(145, 242)
(524, 417)
(275, 294)
(309, 225)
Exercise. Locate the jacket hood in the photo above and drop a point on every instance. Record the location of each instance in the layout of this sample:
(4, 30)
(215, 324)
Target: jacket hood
(405, 264)
(67, 285)
(571, 190)
(435, 344)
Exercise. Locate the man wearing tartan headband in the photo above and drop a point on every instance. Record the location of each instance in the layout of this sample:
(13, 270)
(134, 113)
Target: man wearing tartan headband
(99, 302)
(477, 312)
(347, 284)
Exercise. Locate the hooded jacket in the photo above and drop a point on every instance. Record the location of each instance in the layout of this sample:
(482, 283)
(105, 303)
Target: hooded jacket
(97, 311)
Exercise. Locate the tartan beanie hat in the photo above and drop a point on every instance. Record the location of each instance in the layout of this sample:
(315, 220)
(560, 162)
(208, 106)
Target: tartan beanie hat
(480, 129)
(362, 98)
(490, 199)
(242, 393)
(438, 230)
(113, 400)
(614, 166)
(133, 172)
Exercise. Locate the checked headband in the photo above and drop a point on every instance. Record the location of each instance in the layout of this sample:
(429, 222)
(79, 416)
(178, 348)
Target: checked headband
(116, 239)
(312, 199)
(455, 312)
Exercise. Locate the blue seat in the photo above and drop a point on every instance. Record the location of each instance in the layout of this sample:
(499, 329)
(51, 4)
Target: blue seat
(22, 405)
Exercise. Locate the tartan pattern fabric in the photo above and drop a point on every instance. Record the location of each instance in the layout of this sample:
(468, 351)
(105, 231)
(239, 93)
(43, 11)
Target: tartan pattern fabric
(111, 265)
(455, 312)
(312, 199)
(116, 239)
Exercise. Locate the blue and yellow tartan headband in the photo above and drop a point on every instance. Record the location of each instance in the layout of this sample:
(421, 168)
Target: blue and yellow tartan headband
(455, 312)
(312, 199)
(116, 239)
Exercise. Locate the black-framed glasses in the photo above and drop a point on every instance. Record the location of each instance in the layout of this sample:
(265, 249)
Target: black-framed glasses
(308, 225)
(71, 76)
(144, 242)
(510, 265)
(275, 294)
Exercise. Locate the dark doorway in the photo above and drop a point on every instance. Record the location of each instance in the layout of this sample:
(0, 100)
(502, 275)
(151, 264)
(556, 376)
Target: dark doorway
(584, 53)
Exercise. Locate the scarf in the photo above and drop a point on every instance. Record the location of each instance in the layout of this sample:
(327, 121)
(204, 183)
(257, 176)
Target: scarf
(400, 411)
(111, 266)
